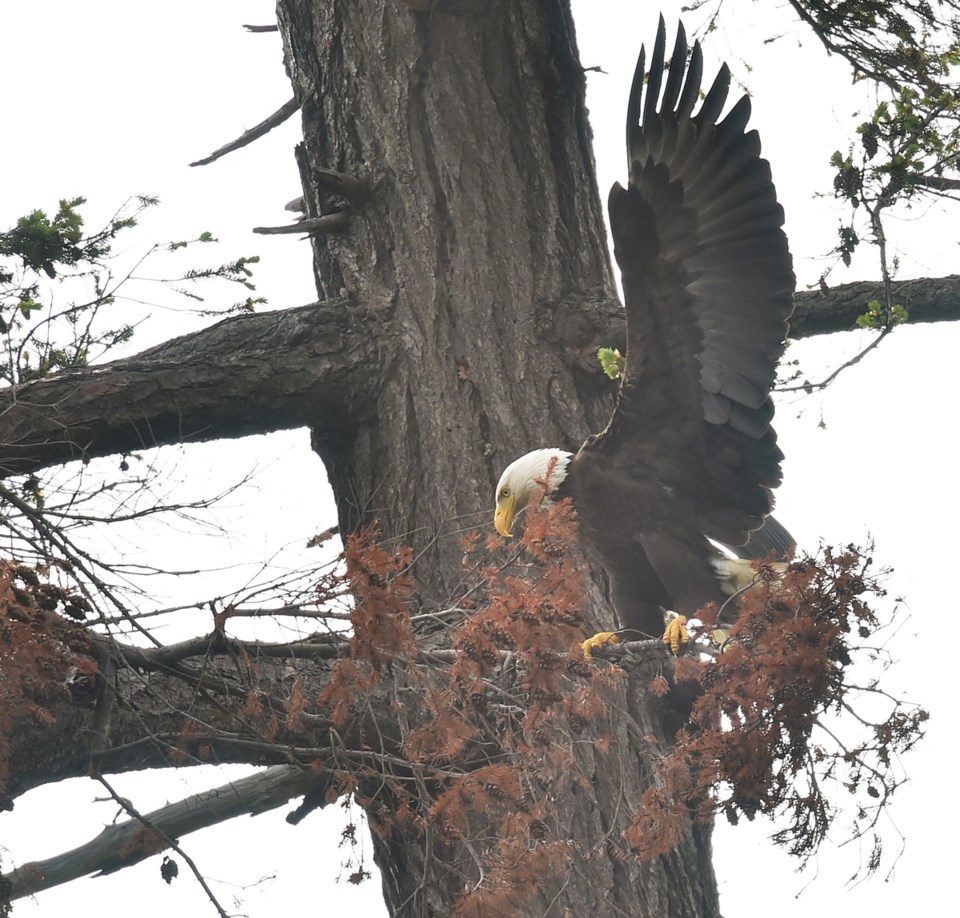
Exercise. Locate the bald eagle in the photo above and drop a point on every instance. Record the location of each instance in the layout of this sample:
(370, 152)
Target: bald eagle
(689, 458)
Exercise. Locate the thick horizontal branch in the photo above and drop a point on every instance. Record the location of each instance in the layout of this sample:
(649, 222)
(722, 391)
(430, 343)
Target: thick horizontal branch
(316, 365)
(816, 312)
(159, 722)
(320, 647)
(159, 703)
(155, 686)
(928, 299)
(248, 374)
(128, 843)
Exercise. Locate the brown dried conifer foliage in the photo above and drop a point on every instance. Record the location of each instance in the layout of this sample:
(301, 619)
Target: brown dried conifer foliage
(380, 620)
(483, 731)
(790, 713)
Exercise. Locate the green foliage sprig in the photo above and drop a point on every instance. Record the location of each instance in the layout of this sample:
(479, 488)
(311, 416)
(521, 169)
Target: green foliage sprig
(909, 144)
(60, 286)
(878, 317)
(612, 361)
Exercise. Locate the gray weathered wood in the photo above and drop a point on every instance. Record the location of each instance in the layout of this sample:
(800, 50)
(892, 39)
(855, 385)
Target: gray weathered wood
(126, 843)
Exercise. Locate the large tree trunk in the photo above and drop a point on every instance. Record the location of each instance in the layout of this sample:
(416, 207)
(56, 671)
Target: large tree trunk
(479, 251)
(481, 257)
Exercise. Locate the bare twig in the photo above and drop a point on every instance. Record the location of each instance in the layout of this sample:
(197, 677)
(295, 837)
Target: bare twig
(328, 223)
(264, 127)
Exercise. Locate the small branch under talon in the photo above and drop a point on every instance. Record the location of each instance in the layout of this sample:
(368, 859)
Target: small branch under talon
(598, 641)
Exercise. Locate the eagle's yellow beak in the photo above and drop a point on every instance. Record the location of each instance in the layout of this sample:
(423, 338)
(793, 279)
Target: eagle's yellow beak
(505, 515)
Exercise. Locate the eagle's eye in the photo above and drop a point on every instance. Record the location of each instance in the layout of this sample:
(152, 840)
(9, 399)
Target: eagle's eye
(504, 493)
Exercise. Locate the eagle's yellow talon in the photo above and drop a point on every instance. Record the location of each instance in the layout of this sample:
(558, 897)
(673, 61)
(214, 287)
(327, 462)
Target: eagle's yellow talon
(600, 639)
(676, 634)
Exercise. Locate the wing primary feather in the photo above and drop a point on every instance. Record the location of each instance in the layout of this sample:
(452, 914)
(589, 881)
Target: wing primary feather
(736, 120)
(633, 104)
(678, 62)
(656, 75)
(691, 87)
(715, 98)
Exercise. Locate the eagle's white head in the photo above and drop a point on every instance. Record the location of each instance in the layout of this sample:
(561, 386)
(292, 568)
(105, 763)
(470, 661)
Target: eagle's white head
(523, 482)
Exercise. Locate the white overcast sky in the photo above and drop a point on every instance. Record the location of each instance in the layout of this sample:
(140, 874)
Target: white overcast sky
(110, 99)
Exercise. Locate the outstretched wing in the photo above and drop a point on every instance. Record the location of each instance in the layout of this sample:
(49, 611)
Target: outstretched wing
(708, 286)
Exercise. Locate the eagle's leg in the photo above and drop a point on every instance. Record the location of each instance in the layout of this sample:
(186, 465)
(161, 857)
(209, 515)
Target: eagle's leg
(686, 565)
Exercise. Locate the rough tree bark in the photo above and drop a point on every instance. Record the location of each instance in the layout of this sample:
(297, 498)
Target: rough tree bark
(458, 320)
